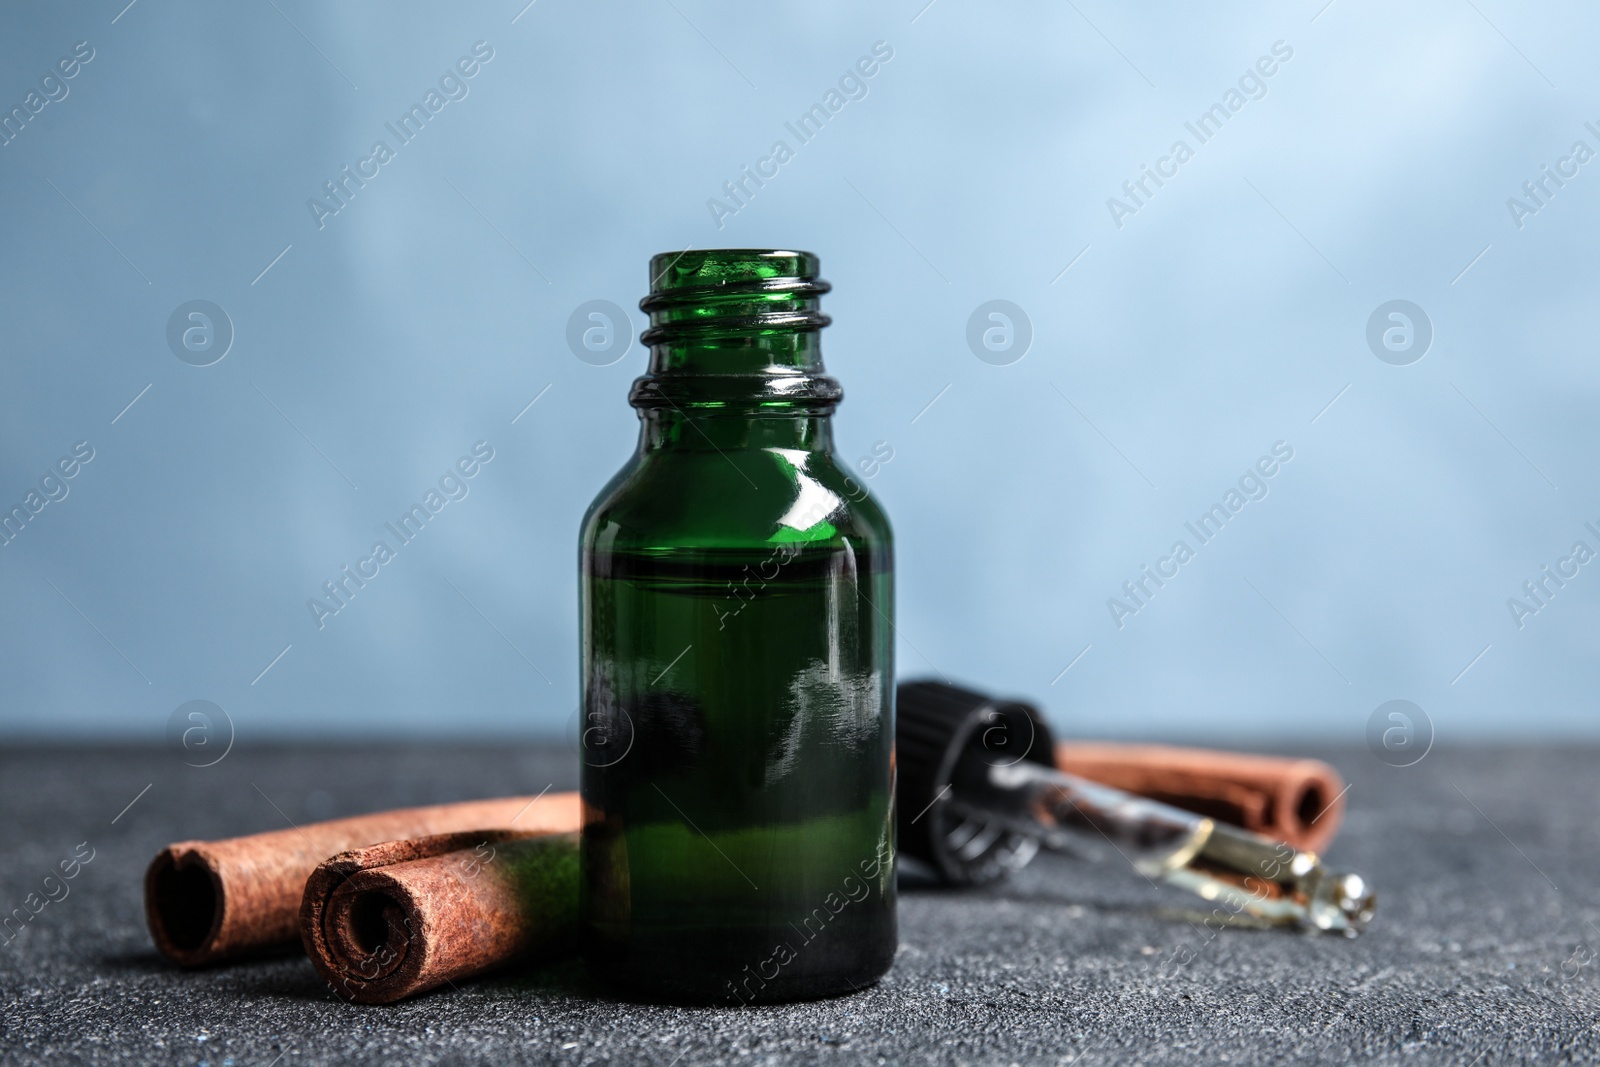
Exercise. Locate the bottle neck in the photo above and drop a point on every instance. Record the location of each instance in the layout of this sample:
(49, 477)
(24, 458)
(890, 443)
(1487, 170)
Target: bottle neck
(699, 429)
(767, 352)
(735, 352)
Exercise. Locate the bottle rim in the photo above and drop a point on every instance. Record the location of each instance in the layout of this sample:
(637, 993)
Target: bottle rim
(708, 294)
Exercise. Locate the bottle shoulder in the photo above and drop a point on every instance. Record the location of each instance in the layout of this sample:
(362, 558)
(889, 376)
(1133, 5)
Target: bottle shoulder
(745, 499)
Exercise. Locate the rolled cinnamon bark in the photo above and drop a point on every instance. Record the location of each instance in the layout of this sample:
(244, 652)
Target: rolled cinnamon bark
(207, 901)
(1300, 801)
(393, 920)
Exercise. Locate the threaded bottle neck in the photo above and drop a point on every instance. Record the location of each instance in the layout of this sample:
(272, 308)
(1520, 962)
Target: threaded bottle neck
(736, 330)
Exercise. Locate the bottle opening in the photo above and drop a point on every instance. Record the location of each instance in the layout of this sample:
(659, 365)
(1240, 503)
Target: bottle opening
(732, 292)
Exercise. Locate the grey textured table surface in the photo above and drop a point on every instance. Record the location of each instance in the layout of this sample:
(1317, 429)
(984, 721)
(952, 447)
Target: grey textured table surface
(1483, 952)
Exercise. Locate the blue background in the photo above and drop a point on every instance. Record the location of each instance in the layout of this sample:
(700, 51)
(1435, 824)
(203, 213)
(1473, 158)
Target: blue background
(1229, 312)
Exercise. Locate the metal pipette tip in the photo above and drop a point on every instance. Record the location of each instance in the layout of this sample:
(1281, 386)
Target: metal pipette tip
(1270, 881)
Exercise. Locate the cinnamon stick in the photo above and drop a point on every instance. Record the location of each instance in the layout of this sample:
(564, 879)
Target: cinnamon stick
(207, 901)
(393, 920)
(1300, 801)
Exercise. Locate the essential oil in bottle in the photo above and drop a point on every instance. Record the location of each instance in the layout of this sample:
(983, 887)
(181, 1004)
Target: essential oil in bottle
(737, 606)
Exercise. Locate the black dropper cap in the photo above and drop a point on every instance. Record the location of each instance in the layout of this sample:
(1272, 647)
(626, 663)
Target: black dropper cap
(943, 735)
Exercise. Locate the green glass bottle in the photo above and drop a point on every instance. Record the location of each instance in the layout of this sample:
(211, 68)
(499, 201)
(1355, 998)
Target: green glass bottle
(737, 606)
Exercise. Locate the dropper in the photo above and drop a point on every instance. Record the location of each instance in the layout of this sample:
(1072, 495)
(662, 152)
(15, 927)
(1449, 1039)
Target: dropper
(1250, 874)
(993, 798)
